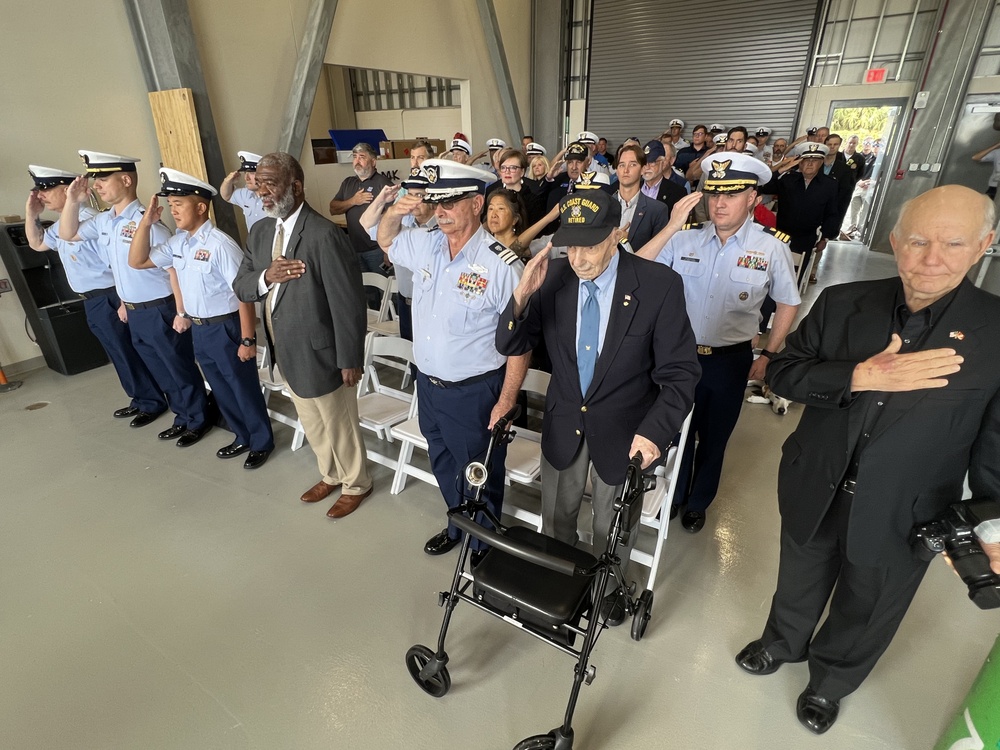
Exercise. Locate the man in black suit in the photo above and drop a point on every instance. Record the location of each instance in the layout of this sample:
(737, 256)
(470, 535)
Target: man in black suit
(305, 273)
(624, 366)
(656, 182)
(641, 216)
(902, 398)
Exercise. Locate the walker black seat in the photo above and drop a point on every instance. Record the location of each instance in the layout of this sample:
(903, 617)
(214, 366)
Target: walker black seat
(529, 592)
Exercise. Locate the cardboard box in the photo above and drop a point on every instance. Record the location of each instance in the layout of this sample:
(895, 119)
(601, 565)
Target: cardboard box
(401, 149)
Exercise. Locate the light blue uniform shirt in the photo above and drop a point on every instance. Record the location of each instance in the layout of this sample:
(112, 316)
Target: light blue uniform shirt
(251, 205)
(86, 267)
(456, 303)
(113, 235)
(206, 263)
(605, 294)
(724, 286)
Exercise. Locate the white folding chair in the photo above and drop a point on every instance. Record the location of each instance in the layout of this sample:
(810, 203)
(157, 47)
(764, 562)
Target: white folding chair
(275, 384)
(656, 503)
(386, 286)
(380, 406)
(387, 323)
(524, 454)
(804, 278)
(409, 436)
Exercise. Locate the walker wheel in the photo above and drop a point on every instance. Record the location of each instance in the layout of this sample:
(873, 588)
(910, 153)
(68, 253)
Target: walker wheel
(538, 742)
(438, 682)
(643, 610)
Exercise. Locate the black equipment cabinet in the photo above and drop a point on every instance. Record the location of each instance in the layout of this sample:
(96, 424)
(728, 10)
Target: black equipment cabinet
(55, 312)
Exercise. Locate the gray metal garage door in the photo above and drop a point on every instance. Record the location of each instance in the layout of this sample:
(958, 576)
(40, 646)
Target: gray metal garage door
(735, 64)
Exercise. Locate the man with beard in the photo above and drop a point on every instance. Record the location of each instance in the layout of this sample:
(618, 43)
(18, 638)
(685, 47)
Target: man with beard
(157, 325)
(463, 280)
(353, 198)
(301, 267)
(89, 275)
(778, 150)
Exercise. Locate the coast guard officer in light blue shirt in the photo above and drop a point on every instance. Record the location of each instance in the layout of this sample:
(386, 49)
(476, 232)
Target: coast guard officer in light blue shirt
(156, 324)
(729, 266)
(206, 260)
(245, 197)
(88, 272)
(462, 280)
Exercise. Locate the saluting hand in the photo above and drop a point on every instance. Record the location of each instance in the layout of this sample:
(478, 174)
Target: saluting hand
(893, 372)
(78, 188)
(34, 206)
(531, 279)
(405, 205)
(682, 208)
(153, 211)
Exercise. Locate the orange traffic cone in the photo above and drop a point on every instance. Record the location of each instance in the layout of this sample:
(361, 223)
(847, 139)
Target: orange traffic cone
(7, 386)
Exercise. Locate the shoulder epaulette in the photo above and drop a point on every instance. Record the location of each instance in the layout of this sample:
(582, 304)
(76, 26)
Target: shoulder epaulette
(433, 228)
(780, 235)
(694, 225)
(104, 210)
(505, 254)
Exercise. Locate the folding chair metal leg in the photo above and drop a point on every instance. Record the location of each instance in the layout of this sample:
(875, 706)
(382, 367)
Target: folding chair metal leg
(399, 478)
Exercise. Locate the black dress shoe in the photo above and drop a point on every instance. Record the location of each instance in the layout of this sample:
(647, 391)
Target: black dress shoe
(190, 437)
(143, 418)
(613, 608)
(256, 459)
(232, 450)
(125, 412)
(815, 712)
(172, 432)
(755, 659)
(693, 521)
(440, 543)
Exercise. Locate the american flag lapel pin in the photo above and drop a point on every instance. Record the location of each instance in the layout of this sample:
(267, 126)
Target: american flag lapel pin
(628, 298)
(957, 335)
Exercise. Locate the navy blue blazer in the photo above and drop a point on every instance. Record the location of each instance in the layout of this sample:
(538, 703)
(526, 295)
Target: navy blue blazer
(645, 375)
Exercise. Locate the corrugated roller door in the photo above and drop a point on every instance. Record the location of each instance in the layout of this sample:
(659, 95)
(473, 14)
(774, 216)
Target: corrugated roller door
(651, 61)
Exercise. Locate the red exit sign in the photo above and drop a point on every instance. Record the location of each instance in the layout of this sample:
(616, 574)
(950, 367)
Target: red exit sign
(875, 75)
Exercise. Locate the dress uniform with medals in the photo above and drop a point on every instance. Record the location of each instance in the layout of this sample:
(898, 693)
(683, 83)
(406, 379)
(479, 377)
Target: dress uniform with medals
(247, 200)
(724, 285)
(456, 306)
(88, 272)
(149, 300)
(206, 261)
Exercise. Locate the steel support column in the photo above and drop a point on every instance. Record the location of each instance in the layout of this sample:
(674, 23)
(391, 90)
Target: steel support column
(946, 72)
(498, 61)
(302, 94)
(168, 55)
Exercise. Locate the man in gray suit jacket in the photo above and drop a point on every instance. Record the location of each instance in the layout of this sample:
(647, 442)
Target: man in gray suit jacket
(301, 267)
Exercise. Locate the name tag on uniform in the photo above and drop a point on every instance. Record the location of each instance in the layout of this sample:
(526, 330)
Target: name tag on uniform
(202, 254)
(753, 262)
(691, 260)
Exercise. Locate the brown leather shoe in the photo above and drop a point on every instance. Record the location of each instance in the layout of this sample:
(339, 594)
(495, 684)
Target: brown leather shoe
(320, 491)
(347, 504)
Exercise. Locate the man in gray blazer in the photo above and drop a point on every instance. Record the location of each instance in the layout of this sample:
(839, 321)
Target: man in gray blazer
(304, 271)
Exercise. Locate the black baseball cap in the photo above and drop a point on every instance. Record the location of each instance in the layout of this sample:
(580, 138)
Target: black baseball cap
(587, 216)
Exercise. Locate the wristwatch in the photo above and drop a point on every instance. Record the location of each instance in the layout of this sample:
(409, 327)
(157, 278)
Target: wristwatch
(766, 353)
(249, 342)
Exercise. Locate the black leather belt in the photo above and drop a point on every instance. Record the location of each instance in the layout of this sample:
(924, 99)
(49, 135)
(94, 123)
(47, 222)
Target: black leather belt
(706, 351)
(214, 319)
(468, 381)
(97, 293)
(148, 304)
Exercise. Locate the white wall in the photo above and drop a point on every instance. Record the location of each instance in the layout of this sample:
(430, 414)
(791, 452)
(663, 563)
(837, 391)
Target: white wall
(406, 124)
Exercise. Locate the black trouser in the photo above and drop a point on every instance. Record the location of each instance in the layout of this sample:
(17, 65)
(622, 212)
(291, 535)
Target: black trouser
(867, 606)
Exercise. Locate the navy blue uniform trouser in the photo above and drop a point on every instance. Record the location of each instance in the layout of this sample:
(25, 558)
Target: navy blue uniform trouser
(170, 358)
(235, 384)
(136, 379)
(455, 420)
(718, 399)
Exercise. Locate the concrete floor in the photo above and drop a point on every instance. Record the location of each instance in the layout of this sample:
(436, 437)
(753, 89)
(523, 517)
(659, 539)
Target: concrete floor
(160, 598)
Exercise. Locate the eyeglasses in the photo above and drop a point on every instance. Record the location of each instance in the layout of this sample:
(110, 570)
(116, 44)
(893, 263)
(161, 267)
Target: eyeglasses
(508, 168)
(449, 204)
